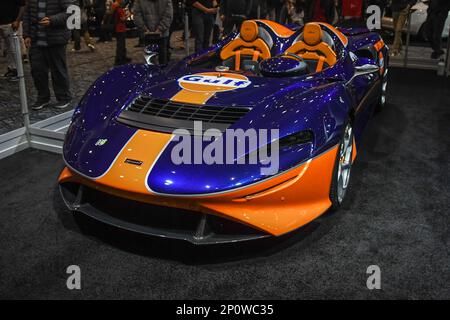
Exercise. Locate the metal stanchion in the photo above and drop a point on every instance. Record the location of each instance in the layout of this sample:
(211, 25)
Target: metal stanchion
(186, 32)
(408, 36)
(22, 88)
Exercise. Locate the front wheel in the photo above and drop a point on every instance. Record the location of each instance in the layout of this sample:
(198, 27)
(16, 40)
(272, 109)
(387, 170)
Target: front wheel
(342, 168)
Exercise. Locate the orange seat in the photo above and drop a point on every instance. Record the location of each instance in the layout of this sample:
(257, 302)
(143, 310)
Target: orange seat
(252, 42)
(312, 47)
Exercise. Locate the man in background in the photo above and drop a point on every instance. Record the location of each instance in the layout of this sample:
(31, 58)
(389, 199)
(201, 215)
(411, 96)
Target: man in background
(10, 19)
(233, 13)
(46, 34)
(437, 15)
(203, 15)
(155, 17)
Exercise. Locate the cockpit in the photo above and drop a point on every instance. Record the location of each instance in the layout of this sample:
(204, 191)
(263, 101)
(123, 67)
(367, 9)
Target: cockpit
(261, 50)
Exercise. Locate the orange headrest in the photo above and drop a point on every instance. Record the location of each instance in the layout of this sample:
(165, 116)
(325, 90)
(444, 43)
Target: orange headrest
(312, 34)
(249, 31)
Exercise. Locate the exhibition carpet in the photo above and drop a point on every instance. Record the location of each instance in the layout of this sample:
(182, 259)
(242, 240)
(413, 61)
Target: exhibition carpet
(396, 216)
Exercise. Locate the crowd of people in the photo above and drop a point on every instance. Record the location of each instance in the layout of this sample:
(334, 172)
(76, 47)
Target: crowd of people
(41, 24)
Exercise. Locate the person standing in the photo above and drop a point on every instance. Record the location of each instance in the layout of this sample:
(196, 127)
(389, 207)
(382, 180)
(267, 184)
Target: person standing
(400, 12)
(119, 17)
(10, 19)
(108, 23)
(437, 15)
(203, 15)
(155, 17)
(85, 5)
(99, 10)
(46, 34)
(233, 13)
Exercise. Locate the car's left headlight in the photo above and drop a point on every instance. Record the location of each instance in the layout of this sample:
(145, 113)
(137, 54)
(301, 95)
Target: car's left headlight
(297, 138)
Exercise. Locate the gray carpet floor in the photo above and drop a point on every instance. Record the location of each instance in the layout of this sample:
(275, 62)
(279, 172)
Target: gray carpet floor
(396, 216)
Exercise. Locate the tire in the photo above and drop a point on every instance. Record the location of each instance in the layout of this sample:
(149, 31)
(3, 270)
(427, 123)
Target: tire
(341, 178)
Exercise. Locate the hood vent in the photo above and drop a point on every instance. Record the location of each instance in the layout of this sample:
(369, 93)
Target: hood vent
(165, 115)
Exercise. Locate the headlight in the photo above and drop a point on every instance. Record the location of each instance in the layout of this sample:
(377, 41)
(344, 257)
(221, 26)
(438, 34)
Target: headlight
(292, 140)
(296, 139)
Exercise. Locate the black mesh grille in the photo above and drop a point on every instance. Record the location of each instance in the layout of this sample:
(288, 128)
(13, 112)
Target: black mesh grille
(181, 111)
(147, 112)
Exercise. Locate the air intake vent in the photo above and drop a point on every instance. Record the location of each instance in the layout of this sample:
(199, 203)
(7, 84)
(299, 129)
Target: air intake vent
(165, 115)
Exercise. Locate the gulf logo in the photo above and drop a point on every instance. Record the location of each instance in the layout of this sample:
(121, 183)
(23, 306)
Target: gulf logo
(213, 82)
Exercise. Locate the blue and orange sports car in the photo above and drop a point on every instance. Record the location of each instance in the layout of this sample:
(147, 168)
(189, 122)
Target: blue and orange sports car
(314, 89)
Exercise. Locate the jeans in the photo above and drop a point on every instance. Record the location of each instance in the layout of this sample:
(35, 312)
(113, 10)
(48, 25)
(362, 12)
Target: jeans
(202, 25)
(53, 59)
(400, 18)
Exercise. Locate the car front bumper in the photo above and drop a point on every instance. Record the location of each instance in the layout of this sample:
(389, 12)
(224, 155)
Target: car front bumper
(272, 207)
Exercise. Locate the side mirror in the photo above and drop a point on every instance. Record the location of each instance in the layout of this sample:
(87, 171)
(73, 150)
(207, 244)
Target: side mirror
(366, 69)
(364, 66)
(151, 52)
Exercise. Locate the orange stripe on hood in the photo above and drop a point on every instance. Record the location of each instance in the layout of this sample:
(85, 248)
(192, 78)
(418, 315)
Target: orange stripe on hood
(144, 146)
